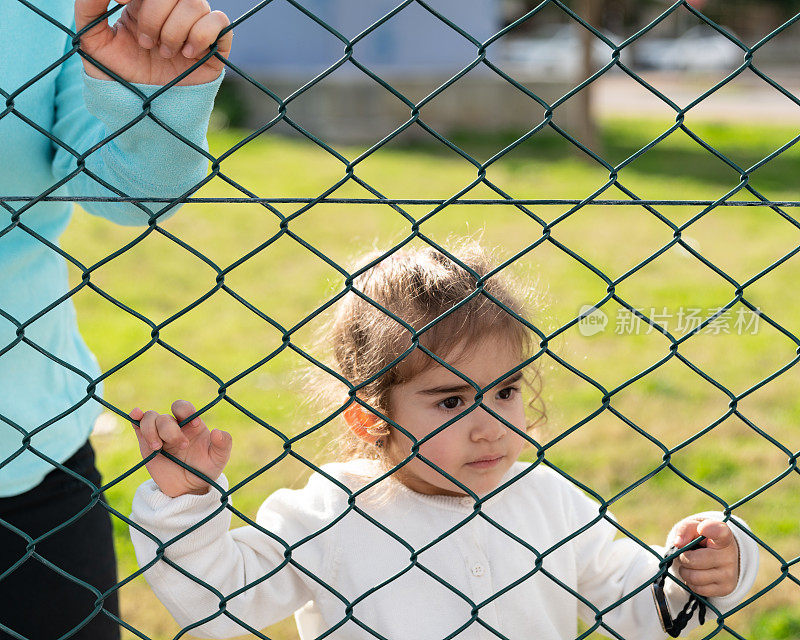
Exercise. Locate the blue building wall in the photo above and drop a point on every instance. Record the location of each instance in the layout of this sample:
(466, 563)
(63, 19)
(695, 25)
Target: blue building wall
(280, 40)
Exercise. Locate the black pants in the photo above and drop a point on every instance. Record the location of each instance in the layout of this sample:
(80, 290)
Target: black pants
(36, 601)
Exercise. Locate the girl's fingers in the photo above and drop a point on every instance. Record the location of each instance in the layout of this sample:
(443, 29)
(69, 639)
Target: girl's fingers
(219, 447)
(170, 433)
(204, 33)
(700, 559)
(695, 578)
(176, 27)
(224, 43)
(150, 18)
(182, 410)
(144, 447)
(87, 11)
(709, 582)
(686, 531)
(718, 534)
(148, 430)
(712, 590)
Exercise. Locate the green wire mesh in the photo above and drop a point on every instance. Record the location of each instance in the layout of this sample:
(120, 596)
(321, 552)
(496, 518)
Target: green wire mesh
(17, 205)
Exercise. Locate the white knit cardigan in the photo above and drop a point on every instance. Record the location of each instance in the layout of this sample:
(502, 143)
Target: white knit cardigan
(352, 575)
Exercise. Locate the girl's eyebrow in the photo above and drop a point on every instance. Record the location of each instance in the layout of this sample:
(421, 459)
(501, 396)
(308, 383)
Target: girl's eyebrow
(463, 388)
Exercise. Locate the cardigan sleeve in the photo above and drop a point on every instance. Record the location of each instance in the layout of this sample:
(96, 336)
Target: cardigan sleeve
(612, 570)
(252, 570)
(138, 157)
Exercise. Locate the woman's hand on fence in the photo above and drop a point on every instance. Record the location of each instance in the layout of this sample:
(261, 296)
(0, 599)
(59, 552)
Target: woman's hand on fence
(154, 40)
(713, 570)
(204, 450)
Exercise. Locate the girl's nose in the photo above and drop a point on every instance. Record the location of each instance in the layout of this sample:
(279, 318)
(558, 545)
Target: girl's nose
(486, 427)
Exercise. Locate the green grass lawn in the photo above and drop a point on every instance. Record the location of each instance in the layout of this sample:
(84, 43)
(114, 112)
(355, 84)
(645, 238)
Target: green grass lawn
(158, 279)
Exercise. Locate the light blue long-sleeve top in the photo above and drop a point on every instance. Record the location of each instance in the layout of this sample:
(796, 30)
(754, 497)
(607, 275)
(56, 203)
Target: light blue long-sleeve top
(145, 161)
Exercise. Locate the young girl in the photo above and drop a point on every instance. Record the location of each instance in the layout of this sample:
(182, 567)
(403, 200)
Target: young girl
(429, 528)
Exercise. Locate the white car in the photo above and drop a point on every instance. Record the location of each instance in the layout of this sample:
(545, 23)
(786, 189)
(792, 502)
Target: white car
(700, 48)
(557, 53)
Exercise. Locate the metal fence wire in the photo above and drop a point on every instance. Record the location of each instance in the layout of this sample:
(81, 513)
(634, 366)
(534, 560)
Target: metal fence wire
(16, 205)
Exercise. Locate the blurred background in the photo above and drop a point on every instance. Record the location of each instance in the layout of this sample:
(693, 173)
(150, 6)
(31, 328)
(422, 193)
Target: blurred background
(547, 52)
(294, 126)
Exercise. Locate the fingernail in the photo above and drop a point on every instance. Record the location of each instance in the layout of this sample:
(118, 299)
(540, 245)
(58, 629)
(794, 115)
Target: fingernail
(188, 51)
(165, 51)
(155, 445)
(146, 41)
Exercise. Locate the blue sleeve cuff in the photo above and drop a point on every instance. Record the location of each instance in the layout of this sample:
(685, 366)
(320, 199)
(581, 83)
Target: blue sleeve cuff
(145, 154)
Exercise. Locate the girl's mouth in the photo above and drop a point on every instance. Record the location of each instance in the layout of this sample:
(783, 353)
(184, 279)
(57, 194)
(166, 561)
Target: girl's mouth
(485, 463)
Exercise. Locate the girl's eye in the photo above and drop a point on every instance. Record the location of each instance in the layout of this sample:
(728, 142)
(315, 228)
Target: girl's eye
(450, 403)
(507, 393)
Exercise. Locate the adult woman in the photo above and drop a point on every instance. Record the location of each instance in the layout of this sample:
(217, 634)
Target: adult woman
(49, 135)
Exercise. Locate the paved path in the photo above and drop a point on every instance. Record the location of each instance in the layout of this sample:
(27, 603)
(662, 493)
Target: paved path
(745, 98)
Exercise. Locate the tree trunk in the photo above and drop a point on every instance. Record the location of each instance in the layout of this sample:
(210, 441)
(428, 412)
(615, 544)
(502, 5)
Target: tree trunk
(591, 11)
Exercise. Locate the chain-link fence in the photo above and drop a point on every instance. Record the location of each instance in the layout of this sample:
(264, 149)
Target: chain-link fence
(613, 193)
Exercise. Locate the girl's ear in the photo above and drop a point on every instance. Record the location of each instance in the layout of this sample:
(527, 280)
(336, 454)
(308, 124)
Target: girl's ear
(362, 422)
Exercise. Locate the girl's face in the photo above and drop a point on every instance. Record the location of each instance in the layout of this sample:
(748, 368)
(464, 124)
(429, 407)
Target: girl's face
(477, 449)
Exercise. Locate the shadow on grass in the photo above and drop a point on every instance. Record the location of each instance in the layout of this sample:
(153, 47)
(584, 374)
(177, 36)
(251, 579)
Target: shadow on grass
(678, 155)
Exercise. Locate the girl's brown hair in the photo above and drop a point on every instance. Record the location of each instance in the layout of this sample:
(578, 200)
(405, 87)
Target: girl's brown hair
(418, 286)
